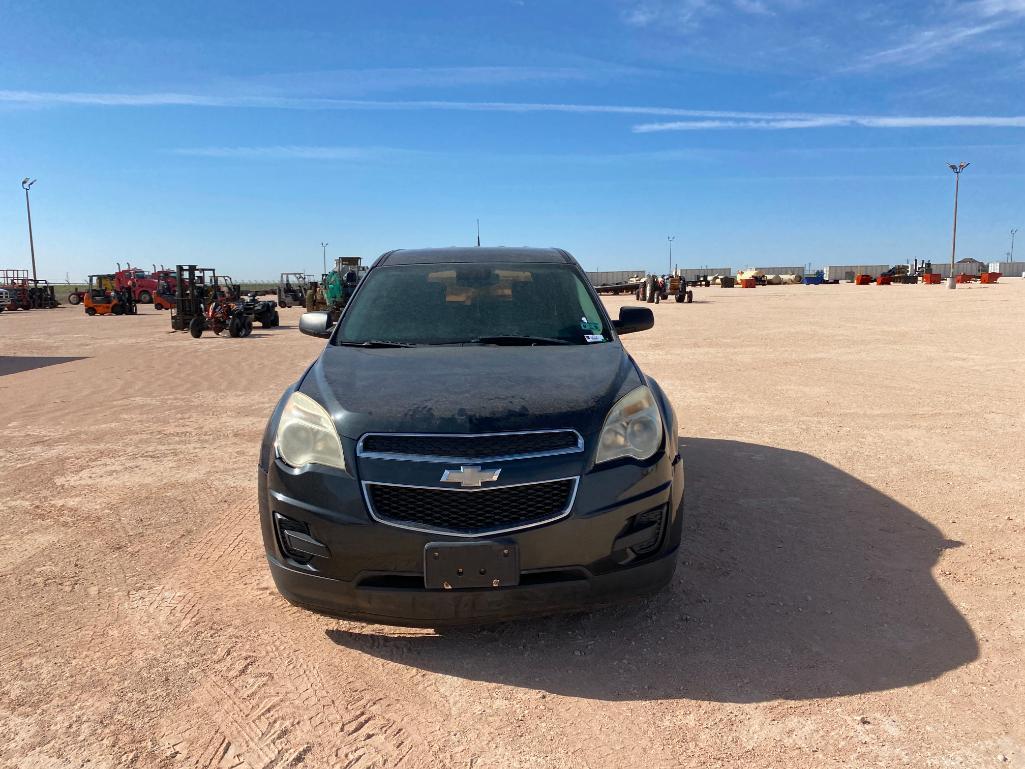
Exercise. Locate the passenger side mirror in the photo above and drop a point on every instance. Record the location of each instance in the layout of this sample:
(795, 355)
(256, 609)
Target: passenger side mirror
(318, 323)
(633, 319)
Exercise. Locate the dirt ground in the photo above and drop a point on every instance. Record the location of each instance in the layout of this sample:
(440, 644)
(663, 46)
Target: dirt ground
(850, 590)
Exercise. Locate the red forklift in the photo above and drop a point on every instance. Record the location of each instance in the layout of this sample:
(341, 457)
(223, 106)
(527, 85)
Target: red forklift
(205, 301)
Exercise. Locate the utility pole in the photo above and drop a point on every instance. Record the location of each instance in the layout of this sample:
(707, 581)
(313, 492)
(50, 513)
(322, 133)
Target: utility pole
(957, 169)
(478, 233)
(1014, 231)
(26, 185)
(324, 246)
(670, 239)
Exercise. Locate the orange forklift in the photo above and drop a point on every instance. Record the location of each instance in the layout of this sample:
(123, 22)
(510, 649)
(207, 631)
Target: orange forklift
(102, 298)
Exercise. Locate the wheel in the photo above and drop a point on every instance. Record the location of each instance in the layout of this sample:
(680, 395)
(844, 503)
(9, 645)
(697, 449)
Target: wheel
(235, 327)
(247, 326)
(145, 297)
(118, 309)
(196, 326)
(276, 320)
(90, 311)
(680, 298)
(282, 305)
(74, 298)
(690, 297)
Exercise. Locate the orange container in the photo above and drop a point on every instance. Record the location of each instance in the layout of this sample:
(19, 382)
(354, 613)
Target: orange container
(884, 280)
(747, 283)
(862, 280)
(931, 277)
(989, 277)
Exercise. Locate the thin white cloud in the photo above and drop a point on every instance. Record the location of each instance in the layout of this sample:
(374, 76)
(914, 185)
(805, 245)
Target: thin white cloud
(172, 99)
(958, 28)
(839, 121)
(703, 119)
(997, 7)
(926, 45)
(358, 82)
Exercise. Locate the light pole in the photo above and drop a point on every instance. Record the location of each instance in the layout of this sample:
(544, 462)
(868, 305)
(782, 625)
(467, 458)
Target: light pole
(324, 246)
(670, 239)
(1014, 231)
(957, 169)
(26, 185)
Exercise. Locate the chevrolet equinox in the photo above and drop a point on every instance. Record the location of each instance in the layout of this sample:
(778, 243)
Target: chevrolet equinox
(472, 444)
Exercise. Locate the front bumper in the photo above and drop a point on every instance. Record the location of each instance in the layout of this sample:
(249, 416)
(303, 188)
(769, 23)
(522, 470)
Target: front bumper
(430, 608)
(373, 571)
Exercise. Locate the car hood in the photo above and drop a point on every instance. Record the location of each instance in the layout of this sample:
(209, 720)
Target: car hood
(470, 389)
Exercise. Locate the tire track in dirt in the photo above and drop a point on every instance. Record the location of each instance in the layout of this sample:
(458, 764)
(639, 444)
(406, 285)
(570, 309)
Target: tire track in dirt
(265, 702)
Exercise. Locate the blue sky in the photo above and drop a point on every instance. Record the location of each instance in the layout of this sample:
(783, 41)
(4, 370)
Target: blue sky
(241, 135)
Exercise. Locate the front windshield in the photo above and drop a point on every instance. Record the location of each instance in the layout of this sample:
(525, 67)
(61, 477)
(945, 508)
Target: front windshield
(473, 303)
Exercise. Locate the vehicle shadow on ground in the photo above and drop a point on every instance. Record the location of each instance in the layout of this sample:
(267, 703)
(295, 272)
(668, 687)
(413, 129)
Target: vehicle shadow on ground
(795, 580)
(15, 364)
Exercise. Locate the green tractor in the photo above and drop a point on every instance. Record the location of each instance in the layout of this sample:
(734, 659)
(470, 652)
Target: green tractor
(340, 283)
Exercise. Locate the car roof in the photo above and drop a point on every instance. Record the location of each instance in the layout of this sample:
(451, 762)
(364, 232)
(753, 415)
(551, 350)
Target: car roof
(475, 255)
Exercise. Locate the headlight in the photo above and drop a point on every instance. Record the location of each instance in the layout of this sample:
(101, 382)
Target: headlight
(632, 429)
(306, 435)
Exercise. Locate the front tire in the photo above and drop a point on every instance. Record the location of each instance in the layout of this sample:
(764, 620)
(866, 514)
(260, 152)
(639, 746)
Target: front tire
(145, 297)
(74, 298)
(196, 327)
(90, 311)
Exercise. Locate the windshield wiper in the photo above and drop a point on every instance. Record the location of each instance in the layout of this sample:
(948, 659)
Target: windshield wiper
(518, 340)
(375, 343)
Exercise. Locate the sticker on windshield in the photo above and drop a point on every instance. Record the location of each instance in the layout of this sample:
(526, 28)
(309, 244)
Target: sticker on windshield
(594, 337)
(586, 325)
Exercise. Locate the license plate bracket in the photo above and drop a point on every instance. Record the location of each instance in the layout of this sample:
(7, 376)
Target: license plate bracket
(463, 565)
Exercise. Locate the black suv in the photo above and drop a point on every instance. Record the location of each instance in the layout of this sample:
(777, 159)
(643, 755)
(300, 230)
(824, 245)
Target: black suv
(473, 444)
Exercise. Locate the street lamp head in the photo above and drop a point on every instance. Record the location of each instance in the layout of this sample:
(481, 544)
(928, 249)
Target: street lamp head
(25, 183)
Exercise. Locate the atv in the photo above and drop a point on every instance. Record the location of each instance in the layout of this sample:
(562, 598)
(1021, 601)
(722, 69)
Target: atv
(262, 310)
(221, 315)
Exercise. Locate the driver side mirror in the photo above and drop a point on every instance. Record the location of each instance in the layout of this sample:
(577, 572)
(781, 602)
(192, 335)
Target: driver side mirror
(633, 319)
(318, 323)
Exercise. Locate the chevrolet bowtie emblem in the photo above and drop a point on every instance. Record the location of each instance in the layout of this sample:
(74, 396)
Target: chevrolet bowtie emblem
(470, 476)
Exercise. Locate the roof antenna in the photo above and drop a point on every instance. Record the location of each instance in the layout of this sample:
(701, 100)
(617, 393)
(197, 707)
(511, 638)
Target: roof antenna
(478, 233)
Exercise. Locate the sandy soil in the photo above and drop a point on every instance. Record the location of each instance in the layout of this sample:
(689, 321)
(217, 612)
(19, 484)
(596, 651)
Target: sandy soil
(850, 589)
